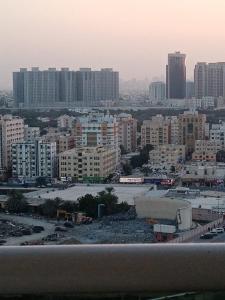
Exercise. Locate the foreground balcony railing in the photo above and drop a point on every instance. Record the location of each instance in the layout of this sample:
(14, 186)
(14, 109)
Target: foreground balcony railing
(112, 269)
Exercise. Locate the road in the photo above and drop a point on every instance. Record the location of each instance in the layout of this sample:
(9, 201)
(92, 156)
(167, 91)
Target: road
(14, 241)
(220, 238)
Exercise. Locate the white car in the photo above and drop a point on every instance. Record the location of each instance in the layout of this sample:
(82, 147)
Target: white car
(219, 230)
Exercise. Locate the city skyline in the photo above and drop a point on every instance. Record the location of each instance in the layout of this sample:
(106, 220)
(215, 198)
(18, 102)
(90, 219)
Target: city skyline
(133, 37)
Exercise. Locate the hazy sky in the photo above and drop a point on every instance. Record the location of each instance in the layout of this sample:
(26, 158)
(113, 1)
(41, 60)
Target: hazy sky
(132, 36)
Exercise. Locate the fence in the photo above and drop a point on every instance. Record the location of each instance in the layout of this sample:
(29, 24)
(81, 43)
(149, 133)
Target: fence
(194, 233)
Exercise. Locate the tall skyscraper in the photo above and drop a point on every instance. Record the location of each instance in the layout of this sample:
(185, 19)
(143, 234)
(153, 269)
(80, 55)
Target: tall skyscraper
(209, 80)
(176, 76)
(64, 88)
(157, 91)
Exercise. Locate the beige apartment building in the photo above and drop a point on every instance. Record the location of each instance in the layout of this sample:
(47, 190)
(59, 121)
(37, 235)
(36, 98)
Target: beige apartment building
(167, 155)
(11, 131)
(87, 163)
(191, 128)
(127, 132)
(63, 142)
(155, 132)
(205, 150)
(97, 130)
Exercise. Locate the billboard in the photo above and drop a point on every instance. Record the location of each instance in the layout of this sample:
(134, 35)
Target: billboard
(131, 179)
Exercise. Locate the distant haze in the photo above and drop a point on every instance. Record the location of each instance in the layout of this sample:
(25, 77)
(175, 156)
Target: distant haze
(132, 36)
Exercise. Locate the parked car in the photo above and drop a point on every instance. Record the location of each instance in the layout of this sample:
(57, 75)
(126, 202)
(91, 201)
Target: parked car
(219, 230)
(214, 232)
(68, 224)
(207, 236)
(60, 229)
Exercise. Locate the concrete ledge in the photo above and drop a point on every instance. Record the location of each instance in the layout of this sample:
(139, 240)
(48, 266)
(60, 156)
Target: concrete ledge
(112, 268)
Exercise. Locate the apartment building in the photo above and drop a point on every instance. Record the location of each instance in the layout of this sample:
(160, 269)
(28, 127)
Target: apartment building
(209, 79)
(174, 129)
(155, 132)
(97, 130)
(127, 132)
(31, 133)
(167, 155)
(65, 121)
(205, 150)
(11, 131)
(87, 163)
(63, 142)
(191, 128)
(64, 88)
(217, 133)
(33, 159)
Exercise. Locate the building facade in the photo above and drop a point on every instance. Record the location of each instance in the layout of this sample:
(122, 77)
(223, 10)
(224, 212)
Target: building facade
(65, 121)
(64, 88)
(87, 164)
(155, 132)
(11, 131)
(33, 159)
(127, 132)
(176, 76)
(157, 91)
(167, 155)
(97, 130)
(209, 80)
(63, 142)
(205, 150)
(191, 128)
(31, 133)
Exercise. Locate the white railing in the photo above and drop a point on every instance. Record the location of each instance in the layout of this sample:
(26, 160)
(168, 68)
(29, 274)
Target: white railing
(105, 269)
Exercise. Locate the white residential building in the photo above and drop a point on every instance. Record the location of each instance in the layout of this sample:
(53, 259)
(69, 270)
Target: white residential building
(33, 159)
(217, 133)
(65, 121)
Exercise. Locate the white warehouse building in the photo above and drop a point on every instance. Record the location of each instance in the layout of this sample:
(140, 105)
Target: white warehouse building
(177, 211)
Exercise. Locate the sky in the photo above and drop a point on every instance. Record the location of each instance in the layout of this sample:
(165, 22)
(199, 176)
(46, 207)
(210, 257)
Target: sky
(131, 36)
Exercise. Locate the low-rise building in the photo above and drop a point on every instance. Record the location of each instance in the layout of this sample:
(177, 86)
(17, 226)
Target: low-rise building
(167, 155)
(203, 173)
(31, 133)
(33, 159)
(65, 121)
(87, 163)
(205, 150)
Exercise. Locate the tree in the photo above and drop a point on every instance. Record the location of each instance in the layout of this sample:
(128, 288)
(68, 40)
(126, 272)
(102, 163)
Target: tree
(109, 199)
(49, 208)
(220, 156)
(16, 202)
(145, 170)
(69, 206)
(89, 204)
(127, 169)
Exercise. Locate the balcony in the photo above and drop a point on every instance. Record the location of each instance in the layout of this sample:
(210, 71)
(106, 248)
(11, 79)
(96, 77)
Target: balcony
(114, 271)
